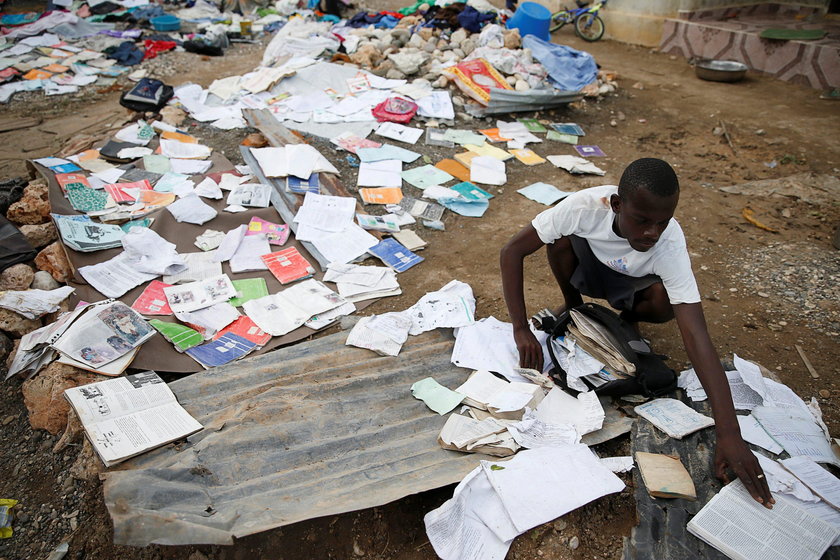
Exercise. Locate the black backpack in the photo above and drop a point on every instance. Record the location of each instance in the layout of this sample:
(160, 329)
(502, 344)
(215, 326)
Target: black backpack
(653, 378)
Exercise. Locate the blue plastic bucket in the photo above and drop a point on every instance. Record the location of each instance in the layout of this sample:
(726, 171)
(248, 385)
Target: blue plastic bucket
(531, 19)
(166, 23)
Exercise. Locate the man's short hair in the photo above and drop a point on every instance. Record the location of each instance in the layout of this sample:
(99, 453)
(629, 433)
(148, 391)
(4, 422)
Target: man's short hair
(652, 174)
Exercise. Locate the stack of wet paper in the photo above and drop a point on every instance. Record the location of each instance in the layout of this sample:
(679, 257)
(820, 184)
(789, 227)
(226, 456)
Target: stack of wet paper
(358, 283)
(599, 343)
(500, 417)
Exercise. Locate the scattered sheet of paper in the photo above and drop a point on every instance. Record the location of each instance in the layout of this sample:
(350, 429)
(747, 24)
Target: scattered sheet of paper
(436, 396)
(673, 417)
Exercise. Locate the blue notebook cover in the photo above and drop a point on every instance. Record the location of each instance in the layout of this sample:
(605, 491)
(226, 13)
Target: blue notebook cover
(221, 351)
(568, 128)
(394, 254)
(66, 168)
(303, 186)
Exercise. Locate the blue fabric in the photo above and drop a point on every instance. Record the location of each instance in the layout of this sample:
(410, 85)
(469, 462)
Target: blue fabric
(568, 69)
(472, 20)
(363, 19)
(127, 54)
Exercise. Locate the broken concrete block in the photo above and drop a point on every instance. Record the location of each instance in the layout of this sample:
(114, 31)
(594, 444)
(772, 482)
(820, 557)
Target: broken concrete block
(88, 465)
(33, 207)
(43, 395)
(408, 61)
(17, 325)
(54, 260)
(39, 235)
(512, 39)
(17, 277)
(366, 56)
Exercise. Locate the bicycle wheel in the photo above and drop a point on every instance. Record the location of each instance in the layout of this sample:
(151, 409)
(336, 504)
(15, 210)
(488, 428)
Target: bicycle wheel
(557, 21)
(589, 26)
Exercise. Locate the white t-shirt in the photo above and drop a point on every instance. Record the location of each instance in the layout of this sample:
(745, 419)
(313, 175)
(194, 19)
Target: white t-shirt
(588, 215)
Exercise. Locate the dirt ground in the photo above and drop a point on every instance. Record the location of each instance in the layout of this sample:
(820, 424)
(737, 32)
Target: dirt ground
(763, 293)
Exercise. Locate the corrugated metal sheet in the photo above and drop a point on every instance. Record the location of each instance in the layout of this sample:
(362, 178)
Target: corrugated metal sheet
(510, 101)
(315, 429)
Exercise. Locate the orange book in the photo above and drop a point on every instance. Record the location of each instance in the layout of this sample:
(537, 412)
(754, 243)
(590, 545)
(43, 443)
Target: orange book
(36, 74)
(153, 199)
(454, 168)
(56, 68)
(288, 265)
(66, 179)
(493, 135)
(247, 329)
(382, 195)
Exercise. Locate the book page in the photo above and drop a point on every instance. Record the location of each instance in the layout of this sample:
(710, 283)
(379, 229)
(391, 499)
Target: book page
(481, 386)
(753, 433)
(461, 431)
(585, 412)
(820, 481)
(673, 417)
(120, 438)
(532, 432)
(104, 400)
(743, 529)
(539, 485)
(461, 528)
(797, 432)
(114, 277)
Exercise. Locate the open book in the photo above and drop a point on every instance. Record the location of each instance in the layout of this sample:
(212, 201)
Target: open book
(743, 529)
(127, 416)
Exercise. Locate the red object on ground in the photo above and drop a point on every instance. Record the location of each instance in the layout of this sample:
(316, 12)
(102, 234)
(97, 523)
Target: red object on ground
(395, 109)
(153, 48)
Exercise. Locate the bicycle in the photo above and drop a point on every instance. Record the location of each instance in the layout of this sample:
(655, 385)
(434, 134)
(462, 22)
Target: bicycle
(588, 24)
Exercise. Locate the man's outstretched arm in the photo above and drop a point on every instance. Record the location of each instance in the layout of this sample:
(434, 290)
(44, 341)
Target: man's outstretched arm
(731, 451)
(513, 253)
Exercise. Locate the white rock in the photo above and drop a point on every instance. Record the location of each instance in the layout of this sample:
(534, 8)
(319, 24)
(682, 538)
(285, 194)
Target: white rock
(521, 85)
(44, 281)
(458, 37)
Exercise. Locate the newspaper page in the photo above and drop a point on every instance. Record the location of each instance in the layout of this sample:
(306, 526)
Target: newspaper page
(127, 416)
(743, 529)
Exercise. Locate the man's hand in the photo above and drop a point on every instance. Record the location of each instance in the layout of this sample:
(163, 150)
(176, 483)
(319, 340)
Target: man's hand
(731, 452)
(530, 350)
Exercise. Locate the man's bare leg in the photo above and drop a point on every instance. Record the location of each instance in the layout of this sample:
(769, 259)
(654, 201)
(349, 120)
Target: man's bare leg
(651, 306)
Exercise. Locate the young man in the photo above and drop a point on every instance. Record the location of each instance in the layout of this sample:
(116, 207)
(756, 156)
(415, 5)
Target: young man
(623, 244)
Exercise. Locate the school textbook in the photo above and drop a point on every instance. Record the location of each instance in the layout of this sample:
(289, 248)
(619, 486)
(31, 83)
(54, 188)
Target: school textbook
(743, 529)
(126, 416)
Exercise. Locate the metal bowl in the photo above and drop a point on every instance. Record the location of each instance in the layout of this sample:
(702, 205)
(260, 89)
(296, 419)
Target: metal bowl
(720, 70)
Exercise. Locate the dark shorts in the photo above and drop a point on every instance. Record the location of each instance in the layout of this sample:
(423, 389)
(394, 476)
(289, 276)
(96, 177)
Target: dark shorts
(595, 279)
